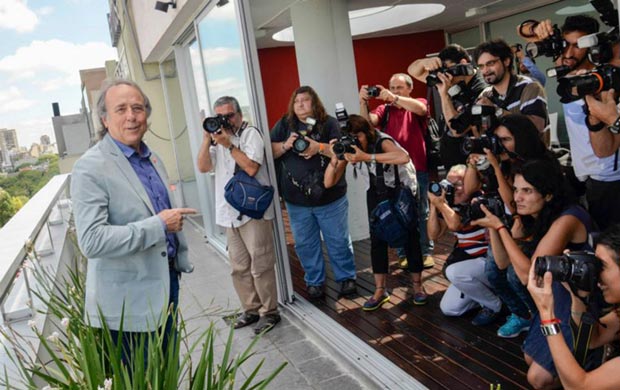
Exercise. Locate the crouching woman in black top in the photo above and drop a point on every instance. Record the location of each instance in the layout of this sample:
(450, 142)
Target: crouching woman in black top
(379, 149)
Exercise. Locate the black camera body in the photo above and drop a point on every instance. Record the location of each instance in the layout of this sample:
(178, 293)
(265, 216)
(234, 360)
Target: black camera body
(603, 78)
(373, 91)
(580, 269)
(456, 70)
(472, 211)
(476, 145)
(490, 185)
(484, 117)
(214, 123)
(435, 188)
(345, 145)
(553, 46)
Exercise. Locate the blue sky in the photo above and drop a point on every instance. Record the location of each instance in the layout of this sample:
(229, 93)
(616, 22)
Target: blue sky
(44, 44)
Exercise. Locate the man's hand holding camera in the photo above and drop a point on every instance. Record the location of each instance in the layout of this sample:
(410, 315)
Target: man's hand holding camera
(222, 137)
(602, 109)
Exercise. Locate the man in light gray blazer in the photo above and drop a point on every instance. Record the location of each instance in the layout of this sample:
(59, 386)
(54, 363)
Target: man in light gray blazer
(126, 222)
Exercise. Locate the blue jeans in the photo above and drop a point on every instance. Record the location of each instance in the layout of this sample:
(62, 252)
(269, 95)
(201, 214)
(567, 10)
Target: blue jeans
(307, 224)
(507, 286)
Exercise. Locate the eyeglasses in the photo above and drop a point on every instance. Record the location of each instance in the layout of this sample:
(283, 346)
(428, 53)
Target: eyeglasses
(229, 116)
(488, 64)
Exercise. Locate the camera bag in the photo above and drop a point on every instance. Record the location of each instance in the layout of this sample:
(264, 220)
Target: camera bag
(393, 215)
(246, 195)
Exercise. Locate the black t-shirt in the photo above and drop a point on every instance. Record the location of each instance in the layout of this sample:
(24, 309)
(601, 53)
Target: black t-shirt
(292, 167)
(470, 91)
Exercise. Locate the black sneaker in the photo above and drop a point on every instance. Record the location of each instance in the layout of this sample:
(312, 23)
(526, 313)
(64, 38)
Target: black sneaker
(348, 287)
(315, 292)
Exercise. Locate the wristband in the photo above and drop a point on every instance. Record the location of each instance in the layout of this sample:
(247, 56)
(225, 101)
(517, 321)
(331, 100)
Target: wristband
(500, 228)
(594, 128)
(551, 321)
(231, 147)
(321, 148)
(373, 158)
(395, 99)
(550, 329)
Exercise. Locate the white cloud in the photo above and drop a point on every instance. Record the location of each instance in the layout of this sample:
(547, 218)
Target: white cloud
(44, 11)
(68, 58)
(220, 55)
(55, 83)
(15, 15)
(11, 100)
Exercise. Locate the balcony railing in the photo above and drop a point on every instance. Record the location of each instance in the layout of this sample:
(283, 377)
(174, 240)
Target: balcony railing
(38, 230)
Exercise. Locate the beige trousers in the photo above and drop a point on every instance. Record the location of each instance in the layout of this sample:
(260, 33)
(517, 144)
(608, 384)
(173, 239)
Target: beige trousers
(252, 258)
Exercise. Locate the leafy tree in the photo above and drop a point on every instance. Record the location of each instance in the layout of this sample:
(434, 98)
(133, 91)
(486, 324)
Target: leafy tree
(7, 209)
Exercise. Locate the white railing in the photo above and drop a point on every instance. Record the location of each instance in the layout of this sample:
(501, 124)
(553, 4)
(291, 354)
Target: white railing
(40, 227)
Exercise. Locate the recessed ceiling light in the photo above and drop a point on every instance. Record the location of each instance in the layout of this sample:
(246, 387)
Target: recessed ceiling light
(369, 20)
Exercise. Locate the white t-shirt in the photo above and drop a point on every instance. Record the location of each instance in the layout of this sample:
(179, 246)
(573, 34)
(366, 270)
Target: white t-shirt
(585, 162)
(251, 143)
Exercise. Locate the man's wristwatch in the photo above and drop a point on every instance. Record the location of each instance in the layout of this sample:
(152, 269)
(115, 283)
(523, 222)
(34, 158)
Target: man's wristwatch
(231, 147)
(373, 158)
(615, 127)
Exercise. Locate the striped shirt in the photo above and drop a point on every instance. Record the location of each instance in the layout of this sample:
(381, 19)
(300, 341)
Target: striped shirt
(524, 96)
(472, 240)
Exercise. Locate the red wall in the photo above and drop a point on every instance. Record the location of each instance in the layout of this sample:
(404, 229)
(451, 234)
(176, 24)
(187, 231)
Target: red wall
(376, 59)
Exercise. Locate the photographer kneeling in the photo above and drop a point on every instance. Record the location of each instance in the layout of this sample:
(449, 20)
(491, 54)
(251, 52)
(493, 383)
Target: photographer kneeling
(543, 291)
(465, 266)
(387, 167)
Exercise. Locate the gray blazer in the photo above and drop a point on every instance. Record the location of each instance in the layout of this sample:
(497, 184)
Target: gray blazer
(123, 239)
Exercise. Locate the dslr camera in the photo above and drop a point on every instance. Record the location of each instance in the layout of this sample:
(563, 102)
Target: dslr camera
(476, 145)
(490, 185)
(580, 269)
(484, 117)
(214, 123)
(603, 78)
(435, 188)
(456, 70)
(472, 211)
(345, 145)
(373, 91)
(301, 144)
(552, 46)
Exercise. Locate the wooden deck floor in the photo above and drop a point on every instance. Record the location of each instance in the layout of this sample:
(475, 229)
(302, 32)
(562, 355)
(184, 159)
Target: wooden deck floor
(441, 352)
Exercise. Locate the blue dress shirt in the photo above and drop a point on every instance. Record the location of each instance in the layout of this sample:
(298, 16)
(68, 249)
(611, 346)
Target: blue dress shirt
(153, 185)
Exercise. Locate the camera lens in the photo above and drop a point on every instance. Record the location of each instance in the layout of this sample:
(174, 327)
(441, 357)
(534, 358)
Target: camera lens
(212, 124)
(300, 145)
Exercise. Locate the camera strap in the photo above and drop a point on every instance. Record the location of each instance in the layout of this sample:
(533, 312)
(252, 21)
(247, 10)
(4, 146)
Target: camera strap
(386, 117)
(378, 181)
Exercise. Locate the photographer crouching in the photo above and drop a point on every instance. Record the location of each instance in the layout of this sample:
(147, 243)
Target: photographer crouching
(465, 266)
(607, 266)
(389, 174)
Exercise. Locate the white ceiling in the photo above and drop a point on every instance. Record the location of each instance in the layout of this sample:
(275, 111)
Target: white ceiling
(271, 16)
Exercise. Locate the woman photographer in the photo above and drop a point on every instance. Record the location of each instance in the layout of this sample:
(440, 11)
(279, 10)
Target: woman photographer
(572, 375)
(550, 222)
(521, 142)
(300, 145)
(377, 149)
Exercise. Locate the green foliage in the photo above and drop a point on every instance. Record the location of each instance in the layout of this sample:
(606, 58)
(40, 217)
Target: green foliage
(83, 357)
(24, 185)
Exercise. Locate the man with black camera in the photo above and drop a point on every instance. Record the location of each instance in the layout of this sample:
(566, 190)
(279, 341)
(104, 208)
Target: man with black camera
(508, 92)
(459, 84)
(593, 162)
(465, 266)
(404, 118)
(228, 145)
